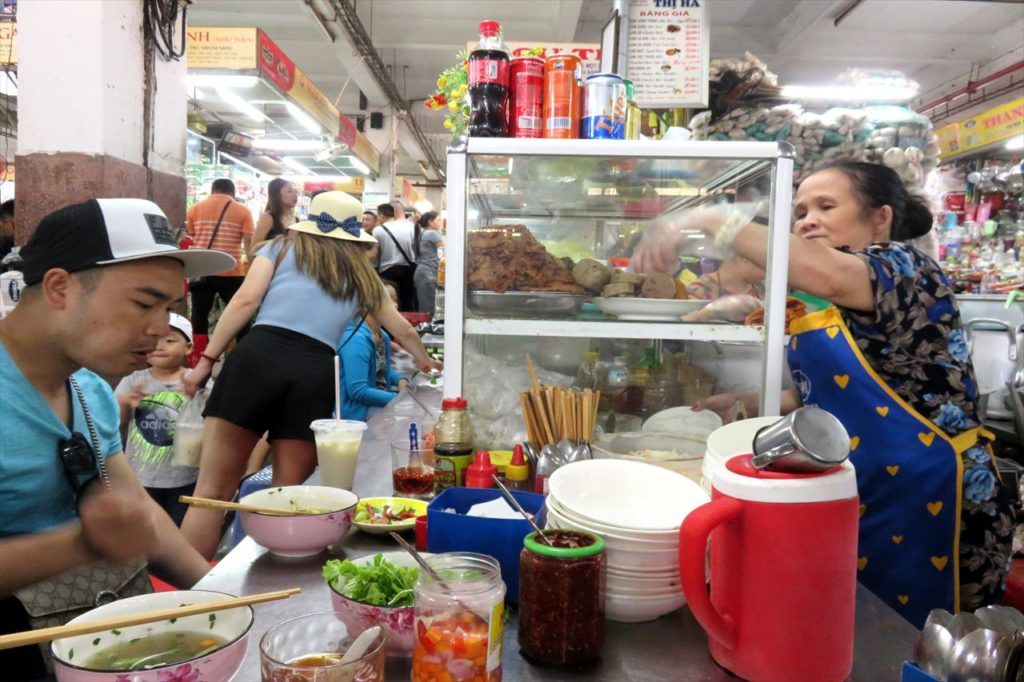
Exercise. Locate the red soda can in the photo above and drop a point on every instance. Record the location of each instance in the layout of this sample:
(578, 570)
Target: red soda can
(526, 82)
(563, 96)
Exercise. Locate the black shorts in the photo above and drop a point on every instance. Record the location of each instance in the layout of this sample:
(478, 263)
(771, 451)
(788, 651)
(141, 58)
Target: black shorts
(275, 380)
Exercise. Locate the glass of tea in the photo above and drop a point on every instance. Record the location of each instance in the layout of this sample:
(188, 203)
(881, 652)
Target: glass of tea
(412, 470)
(310, 649)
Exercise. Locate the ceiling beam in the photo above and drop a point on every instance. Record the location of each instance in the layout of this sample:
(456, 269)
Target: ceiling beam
(798, 23)
(568, 17)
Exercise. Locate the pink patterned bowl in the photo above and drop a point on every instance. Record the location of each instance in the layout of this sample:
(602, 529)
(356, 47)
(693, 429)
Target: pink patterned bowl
(71, 656)
(295, 536)
(358, 616)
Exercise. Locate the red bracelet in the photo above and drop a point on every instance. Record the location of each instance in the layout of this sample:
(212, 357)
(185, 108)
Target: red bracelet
(207, 357)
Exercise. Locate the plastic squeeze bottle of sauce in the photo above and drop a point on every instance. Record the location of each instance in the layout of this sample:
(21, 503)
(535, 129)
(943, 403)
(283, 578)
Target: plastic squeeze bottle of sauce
(517, 472)
(453, 444)
(480, 473)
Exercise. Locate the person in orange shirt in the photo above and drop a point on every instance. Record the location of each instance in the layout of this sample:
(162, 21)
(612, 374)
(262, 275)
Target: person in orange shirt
(218, 222)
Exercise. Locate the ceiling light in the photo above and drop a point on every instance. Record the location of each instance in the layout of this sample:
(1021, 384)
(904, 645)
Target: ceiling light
(296, 166)
(359, 165)
(304, 119)
(849, 93)
(423, 206)
(240, 104)
(220, 81)
(1015, 144)
(334, 177)
(287, 145)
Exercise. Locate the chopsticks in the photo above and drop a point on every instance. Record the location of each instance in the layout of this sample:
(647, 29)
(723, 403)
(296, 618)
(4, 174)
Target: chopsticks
(207, 503)
(63, 631)
(553, 413)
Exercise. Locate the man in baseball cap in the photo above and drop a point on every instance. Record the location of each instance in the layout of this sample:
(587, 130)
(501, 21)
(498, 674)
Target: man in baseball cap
(101, 277)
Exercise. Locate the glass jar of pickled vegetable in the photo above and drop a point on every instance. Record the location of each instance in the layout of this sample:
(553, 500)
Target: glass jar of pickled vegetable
(561, 613)
(459, 619)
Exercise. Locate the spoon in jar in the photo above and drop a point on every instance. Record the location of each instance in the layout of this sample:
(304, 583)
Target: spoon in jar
(429, 570)
(519, 508)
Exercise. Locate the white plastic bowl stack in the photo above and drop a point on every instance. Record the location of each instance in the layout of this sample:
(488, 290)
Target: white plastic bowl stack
(637, 509)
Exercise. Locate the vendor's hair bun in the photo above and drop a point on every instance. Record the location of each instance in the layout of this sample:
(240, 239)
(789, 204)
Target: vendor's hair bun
(877, 186)
(917, 222)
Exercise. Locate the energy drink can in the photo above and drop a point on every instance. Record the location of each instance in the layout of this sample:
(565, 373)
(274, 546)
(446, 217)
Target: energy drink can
(526, 81)
(604, 113)
(563, 96)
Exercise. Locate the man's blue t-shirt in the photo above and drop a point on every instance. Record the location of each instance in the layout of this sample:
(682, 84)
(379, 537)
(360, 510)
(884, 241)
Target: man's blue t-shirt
(34, 492)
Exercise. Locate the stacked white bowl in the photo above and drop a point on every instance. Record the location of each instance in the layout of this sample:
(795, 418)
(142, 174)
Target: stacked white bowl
(637, 508)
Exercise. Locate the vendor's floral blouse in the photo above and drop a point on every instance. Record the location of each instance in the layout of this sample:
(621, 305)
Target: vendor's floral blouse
(914, 341)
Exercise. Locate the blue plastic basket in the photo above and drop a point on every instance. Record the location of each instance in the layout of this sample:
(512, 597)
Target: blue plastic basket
(499, 538)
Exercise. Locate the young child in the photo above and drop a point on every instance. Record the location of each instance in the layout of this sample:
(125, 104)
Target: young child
(368, 382)
(150, 400)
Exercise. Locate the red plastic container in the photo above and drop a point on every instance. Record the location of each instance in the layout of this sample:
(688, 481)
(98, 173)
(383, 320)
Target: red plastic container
(783, 571)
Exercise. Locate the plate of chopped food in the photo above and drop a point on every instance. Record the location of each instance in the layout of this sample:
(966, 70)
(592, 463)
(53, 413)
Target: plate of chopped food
(380, 515)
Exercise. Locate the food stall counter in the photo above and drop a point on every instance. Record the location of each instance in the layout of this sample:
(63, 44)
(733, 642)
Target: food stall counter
(673, 647)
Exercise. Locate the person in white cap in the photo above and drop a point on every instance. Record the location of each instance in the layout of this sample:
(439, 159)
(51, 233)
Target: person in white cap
(101, 277)
(306, 287)
(150, 401)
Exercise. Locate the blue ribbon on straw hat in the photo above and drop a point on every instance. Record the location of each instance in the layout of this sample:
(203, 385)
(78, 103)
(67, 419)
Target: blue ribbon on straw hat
(325, 222)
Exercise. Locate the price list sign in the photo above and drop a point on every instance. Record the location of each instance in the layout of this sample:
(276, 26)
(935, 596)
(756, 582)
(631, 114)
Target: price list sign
(667, 55)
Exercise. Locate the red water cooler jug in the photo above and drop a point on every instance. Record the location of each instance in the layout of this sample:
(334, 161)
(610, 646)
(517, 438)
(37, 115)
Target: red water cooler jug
(783, 571)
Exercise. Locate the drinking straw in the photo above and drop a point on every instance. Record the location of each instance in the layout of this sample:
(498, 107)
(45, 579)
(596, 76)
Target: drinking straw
(337, 388)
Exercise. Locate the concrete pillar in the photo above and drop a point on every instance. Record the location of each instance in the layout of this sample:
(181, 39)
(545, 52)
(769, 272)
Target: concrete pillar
(98, 114)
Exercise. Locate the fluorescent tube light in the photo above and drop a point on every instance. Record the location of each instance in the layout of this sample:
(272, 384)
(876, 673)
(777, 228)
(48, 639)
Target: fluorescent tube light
(303, 119)
(241, 105)
(1015, 144)
(359, 165)
(196, 80)
(287, 145)
(296, 166)
(849, 93)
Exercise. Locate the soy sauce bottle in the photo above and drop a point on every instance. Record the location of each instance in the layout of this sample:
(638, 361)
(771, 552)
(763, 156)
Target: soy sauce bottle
(488, 83)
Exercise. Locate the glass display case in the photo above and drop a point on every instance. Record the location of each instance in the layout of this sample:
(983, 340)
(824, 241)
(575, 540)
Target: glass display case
(537, 227)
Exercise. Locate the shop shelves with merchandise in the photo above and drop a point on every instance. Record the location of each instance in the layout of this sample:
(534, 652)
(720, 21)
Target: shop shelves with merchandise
(592, 199)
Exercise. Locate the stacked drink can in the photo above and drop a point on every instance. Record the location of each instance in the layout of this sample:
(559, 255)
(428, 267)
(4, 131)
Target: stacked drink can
(563, 99)
(526, 105)
(604, 114)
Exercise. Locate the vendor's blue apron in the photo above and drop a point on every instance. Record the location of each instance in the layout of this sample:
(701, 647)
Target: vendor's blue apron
(909, 472)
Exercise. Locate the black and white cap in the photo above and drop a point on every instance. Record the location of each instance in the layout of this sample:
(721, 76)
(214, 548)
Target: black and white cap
(108, 231)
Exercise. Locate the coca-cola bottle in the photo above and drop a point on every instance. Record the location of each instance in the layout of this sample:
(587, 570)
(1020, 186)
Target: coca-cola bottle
(488, 83)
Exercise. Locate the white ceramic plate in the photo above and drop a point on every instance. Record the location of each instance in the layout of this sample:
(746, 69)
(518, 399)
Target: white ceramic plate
(626, 494)
(683, 421)
(649, 309)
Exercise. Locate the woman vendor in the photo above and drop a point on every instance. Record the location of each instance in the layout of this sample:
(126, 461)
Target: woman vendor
(890, 360)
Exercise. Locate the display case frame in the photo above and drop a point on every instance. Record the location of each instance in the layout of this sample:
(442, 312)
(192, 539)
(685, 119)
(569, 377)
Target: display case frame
(750, 159)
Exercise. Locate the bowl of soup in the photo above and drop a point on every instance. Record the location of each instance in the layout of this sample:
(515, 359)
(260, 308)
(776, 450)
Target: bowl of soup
(207, 647)
(326, 518)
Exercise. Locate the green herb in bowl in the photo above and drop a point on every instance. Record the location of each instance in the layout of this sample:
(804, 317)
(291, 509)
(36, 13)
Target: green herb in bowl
(379, 582)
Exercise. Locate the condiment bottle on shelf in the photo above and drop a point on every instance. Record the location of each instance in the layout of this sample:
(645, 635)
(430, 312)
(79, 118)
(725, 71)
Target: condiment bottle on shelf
(480, 473)
(561, 619)
(488, 83)
(517, 472)
(458, 626)
(587, 375)
(453, 444)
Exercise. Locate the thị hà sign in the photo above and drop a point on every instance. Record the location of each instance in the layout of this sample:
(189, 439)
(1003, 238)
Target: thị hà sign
(667, 53)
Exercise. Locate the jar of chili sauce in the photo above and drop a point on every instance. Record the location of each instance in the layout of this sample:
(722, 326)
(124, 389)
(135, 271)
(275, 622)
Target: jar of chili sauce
(561, 613)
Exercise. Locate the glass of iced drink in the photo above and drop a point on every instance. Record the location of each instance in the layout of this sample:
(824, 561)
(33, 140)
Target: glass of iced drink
(337, 450)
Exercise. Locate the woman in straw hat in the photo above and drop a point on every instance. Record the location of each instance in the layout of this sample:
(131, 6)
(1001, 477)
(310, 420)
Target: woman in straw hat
(307, 286)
